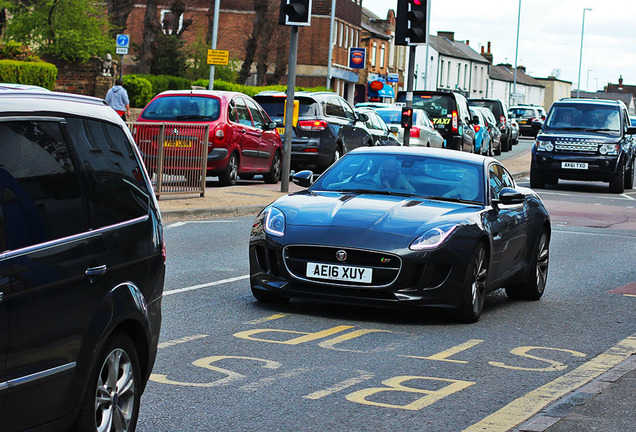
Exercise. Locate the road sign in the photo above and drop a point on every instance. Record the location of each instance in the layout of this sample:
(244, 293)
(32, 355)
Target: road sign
(122, 41)
(122, 51)
(218, 57)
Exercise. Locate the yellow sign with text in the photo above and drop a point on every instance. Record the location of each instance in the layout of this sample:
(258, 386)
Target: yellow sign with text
(218, 57)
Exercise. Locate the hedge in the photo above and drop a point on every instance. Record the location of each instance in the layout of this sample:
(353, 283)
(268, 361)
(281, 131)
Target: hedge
(142, 88)
(41, 74)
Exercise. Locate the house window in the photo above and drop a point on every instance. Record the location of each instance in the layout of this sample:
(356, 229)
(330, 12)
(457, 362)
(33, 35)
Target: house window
(441, 73)
(341, 34)
(353, 42)
(346, 44)
(167, 21)
(465, 77)
(375, 47)
(382, 56)
(448, 70)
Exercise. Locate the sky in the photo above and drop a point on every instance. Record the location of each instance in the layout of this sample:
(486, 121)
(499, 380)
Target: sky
(549, 35)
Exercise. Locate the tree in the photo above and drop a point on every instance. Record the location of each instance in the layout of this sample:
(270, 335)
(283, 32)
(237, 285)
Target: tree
(118, 12)
(70, 30)
(151, 27)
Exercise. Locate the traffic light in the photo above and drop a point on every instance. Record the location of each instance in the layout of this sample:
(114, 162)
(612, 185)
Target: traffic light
(407, 117)
(410, 22)
(295, 12)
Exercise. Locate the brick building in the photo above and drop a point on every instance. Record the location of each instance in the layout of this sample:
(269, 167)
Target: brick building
(236, 22)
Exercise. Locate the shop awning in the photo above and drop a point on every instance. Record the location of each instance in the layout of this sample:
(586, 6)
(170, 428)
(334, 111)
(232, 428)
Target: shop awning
(386, 91)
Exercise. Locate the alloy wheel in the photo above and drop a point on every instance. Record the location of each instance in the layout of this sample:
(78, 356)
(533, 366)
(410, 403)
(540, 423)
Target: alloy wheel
(115, 393)
(480, 273)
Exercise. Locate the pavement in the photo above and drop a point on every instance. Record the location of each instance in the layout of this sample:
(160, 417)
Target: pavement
(605, 404)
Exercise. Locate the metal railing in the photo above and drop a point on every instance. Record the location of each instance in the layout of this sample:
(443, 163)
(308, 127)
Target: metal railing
(175, 155)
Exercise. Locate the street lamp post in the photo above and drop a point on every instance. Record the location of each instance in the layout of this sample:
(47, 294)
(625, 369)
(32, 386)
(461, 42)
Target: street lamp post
(514, 85)
(578, 89)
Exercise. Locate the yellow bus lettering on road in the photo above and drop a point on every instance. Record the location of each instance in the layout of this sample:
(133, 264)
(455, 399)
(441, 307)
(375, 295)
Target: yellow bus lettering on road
(395, 385)
(331, 343)
(444, 355)
(364, 376)
(524, 352)
(206, 363)
(308, 337)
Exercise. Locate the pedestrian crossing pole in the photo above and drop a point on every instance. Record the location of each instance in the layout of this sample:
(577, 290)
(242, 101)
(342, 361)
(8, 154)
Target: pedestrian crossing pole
(289, 109)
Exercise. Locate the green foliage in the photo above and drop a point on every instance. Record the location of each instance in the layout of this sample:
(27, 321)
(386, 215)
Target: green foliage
(32, 73)
(162, 83)
(16, 51)
(139, 90)
(169, 58)
(70, 30)
(250, 90)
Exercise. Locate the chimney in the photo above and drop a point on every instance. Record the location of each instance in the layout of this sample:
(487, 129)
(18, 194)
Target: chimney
(482, 50)
(447, 34)
(620, 83)
(521, 68)
(488, 47)
(467, 42)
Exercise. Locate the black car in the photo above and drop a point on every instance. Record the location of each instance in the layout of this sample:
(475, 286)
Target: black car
(449, 113)
(326, 129)
(401, 227)
(529, 118)
(500, 111)
(585, 139)
(381, 133)
(82, 263)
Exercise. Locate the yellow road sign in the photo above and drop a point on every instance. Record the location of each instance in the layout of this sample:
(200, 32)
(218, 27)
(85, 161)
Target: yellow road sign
(218, 57)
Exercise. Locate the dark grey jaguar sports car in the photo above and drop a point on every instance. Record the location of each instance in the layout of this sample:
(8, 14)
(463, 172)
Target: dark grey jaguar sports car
(403, 226)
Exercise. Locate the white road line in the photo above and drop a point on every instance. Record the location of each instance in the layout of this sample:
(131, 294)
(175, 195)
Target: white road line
(181, 340)
(205, 285)
(178, 224)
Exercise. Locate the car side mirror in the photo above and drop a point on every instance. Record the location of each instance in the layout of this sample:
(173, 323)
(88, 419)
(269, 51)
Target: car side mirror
(363, 117)
(475, 120)
(631, 130)
(509, 196)
(394, 129)
(303, 178)
(537, 124)
(271, 125)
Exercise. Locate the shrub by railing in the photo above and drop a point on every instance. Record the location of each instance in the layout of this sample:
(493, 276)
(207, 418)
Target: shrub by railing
(139, 90)
(32, 73)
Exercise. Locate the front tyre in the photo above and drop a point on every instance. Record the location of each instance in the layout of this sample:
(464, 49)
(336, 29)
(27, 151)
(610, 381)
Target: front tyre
(533, 286)
(474, 291)
(537, 179)
(273, 176)
(629, 177)
(111, 402)
(617, 183)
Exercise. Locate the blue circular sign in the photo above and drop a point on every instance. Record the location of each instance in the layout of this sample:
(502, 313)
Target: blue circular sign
(122, 40)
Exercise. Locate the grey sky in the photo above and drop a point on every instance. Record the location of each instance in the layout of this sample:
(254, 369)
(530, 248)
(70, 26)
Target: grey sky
(549, 34)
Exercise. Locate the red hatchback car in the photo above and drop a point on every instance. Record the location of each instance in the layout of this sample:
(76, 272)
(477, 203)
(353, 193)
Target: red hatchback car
(243, 140)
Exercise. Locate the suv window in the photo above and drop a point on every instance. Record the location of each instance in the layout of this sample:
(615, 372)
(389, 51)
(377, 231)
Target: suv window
(435, 105)
(591, 117)
(347, 109)
(117, 191)
(494, 106)
(334, 108)
(523, 112)
(40, 200)
(177, 108)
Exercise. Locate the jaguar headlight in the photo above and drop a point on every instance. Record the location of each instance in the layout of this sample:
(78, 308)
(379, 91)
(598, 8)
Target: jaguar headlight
(546, 146)
(433, 238)
(274, 222)
(608, 149)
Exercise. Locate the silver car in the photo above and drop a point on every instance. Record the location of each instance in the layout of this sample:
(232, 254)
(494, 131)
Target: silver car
(422, 133)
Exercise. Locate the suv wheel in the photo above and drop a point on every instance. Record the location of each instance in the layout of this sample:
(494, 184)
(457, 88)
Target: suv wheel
(617, 183)
(629, 177)
(230, 175)
(111, 402)
(537, 180)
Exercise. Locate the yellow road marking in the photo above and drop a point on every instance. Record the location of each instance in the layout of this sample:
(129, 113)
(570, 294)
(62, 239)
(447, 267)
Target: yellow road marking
(181, 340)
(530, 404)
(364, 375)
(443, 356)
(269, 318)
(629, 295)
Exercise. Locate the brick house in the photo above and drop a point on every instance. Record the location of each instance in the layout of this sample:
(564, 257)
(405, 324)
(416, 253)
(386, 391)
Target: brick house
(236, 21)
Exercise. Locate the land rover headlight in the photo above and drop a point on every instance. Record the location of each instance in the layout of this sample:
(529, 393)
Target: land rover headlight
(609, 149)
(546, 146)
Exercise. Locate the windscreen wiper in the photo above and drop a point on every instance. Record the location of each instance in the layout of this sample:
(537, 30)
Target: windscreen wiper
(457, 200)
(375, 192)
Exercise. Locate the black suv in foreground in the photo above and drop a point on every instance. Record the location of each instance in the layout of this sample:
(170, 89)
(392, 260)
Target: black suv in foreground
(327, 127)
(500, 111)
(81, 266)
(585, 139)
(450, 115)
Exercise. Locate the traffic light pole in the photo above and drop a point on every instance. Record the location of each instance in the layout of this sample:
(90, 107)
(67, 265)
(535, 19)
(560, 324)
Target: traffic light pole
(289, 109)
(409, 90)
